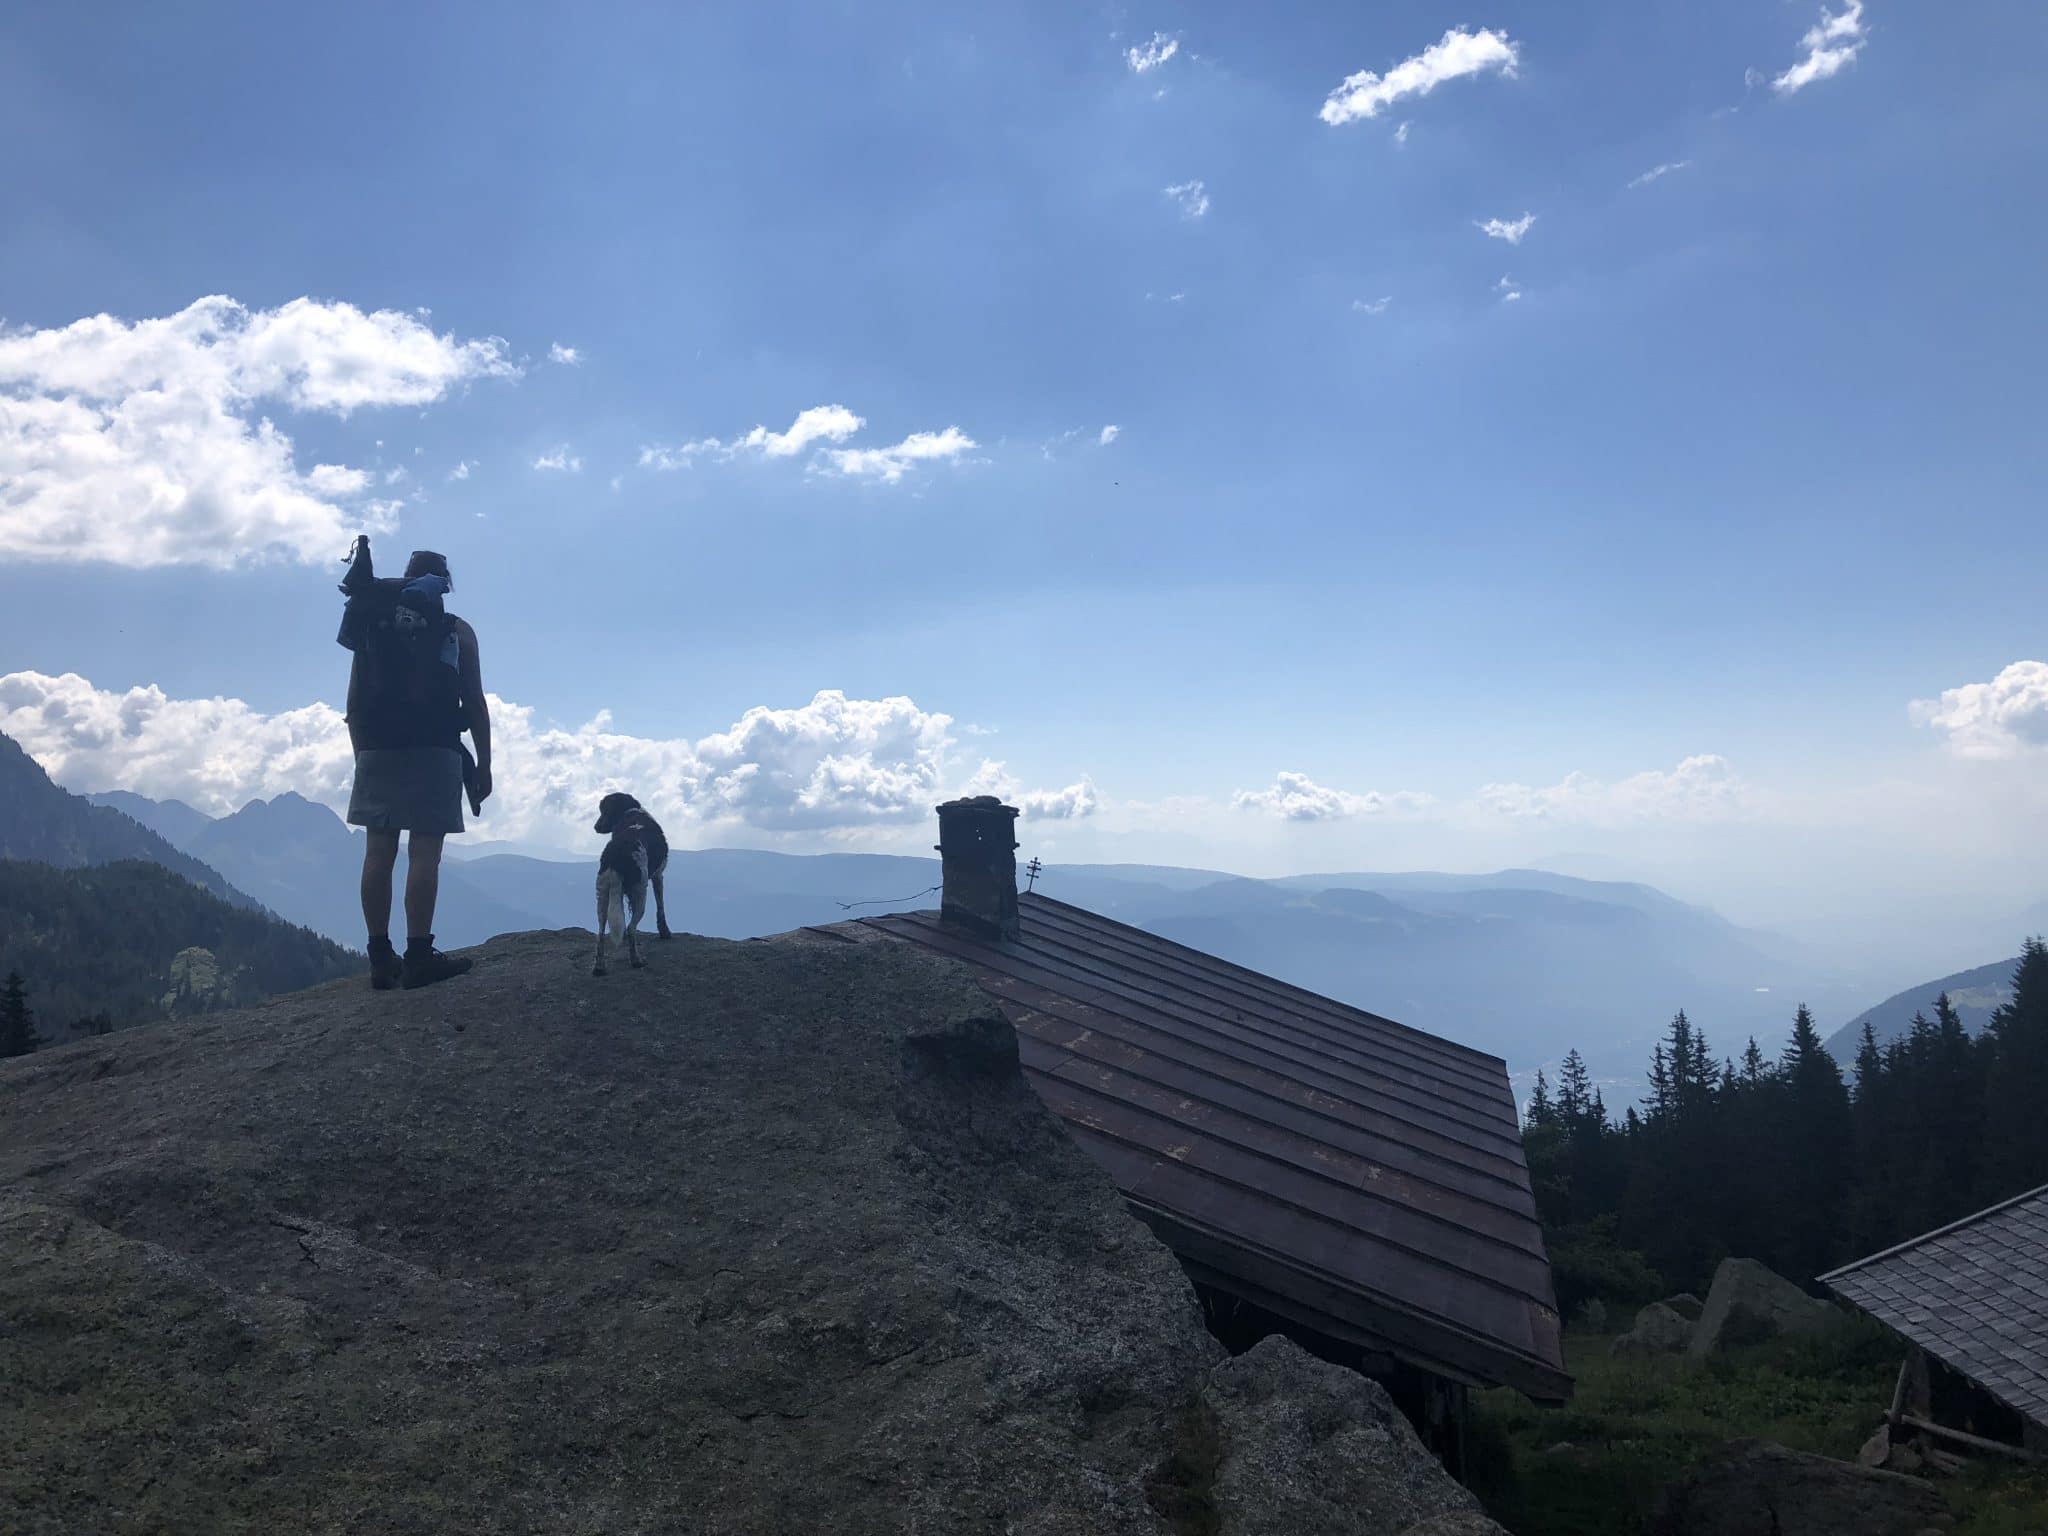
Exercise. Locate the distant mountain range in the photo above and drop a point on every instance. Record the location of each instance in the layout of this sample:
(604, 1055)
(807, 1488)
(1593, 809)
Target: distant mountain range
(1974, 994)
(49, 825)
(1524, 963)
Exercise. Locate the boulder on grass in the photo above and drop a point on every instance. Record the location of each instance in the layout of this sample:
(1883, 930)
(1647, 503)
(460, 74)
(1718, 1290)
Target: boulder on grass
(1749, 1304)
(1686, 1305)
(1658, 1331)
(1754, 1488)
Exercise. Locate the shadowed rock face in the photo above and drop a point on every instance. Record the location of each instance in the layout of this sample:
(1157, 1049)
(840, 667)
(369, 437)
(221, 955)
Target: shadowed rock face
(765, 1237)
(1752, 1486)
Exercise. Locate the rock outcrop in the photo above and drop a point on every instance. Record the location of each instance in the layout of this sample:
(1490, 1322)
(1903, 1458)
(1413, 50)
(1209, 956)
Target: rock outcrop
(1686, 1305)
(765, 1237)
(1749, 1303)
(1754, 1488)
(1307, 1449)
(1658, 1330)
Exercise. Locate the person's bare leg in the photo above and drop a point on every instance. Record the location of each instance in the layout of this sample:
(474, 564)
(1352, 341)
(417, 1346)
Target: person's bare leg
(380, 855)
(422, 883)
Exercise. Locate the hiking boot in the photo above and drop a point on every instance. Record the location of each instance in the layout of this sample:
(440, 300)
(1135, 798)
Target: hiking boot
(425, 965)
(385, 966)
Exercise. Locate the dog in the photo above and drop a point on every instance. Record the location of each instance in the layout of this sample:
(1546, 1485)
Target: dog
(634, 859)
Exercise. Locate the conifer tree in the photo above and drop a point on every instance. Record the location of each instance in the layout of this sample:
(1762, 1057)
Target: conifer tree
(2016, 1098)
(17, 1024)
(1540, 1109)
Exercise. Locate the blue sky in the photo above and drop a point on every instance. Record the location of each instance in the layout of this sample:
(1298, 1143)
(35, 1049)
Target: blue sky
(1749, 465)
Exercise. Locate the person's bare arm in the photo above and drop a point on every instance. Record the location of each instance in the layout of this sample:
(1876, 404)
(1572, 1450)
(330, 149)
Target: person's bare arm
(476, 710)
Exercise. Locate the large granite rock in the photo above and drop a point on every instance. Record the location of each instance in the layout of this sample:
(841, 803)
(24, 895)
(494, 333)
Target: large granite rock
(1754, 1488)
(766, 1237)
(1310, 1449)
(1686, 1305)
(1658, 1330)
(1748, 1304)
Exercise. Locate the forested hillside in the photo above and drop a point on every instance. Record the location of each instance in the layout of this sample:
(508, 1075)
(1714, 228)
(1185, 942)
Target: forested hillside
(49, 825)
(131, 943)
(1789, 1160)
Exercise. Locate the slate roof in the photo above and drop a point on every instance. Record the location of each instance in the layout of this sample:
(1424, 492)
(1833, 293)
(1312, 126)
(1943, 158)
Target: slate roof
(1973, 1294)
(1332, 1166)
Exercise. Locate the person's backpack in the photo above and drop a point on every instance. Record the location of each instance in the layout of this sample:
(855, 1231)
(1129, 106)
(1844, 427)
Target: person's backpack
(408, 682)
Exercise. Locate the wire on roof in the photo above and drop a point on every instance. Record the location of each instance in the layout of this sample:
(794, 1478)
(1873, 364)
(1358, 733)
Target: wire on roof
(885, 901)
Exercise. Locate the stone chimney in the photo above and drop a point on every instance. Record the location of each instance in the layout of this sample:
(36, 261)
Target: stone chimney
(978, 862)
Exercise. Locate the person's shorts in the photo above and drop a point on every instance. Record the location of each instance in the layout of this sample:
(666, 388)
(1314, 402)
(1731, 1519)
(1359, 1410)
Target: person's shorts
(407, 789)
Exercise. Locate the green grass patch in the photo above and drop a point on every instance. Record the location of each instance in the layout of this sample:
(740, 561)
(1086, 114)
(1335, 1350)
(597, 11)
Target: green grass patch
(1594, 1466)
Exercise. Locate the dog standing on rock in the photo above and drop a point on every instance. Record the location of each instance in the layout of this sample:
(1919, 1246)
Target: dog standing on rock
(635, 858)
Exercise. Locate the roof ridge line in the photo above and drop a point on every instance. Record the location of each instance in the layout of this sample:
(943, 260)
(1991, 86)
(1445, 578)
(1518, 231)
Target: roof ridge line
(1930, 1236)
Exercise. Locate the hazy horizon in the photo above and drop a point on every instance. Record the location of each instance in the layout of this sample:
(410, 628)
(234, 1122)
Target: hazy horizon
(1278, 442)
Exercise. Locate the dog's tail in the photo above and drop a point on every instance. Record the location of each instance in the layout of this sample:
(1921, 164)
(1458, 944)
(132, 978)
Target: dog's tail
(611, 903)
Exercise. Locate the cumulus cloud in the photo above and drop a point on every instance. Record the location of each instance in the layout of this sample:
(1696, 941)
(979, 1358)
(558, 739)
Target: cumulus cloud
(1401, 133)
(1510, 230)
(144, 443)
(1109, 435)
(1456, 54)
(1191, 197)
(1297, 797)
(1507, 290)
(829, 768)
(2006, 717)
(1373, 306)
(1147, 57)
(462, 469)
(1076, 801)
(890, 464)
(1830, 44)
(1658, 170)
(561, 354)
(561, 460)
(1701, 788)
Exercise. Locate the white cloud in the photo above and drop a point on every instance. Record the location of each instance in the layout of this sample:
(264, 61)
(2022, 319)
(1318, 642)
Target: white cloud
(1658, 170)
(1109, 435)
(1507, 290)
(144, 443)
(820, 423)
(1073, 803)
(1372, 306)
(1701, 788)
(1401, 133)
(1510, 230)
(561, 460)
(462, 469)
(561, 354)
(2006, 717)
(1149, 56)
(1830, 44)
(1297, 797)
(1191, 196)
(890, 464)
(830, 768)
(1456, 54)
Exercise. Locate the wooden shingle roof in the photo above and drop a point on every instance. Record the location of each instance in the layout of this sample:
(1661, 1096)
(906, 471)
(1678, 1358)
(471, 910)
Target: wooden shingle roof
(1360, 1177)
(1973, 1294)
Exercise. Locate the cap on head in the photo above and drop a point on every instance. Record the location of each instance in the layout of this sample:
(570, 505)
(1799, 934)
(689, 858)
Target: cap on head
(425, 562)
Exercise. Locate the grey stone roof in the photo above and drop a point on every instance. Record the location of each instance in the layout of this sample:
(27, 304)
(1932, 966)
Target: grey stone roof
(1973, 1294)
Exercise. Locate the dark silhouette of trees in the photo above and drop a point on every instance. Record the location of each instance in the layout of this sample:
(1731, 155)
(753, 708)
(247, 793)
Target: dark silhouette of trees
(1784, 1160)
(17, 1024)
